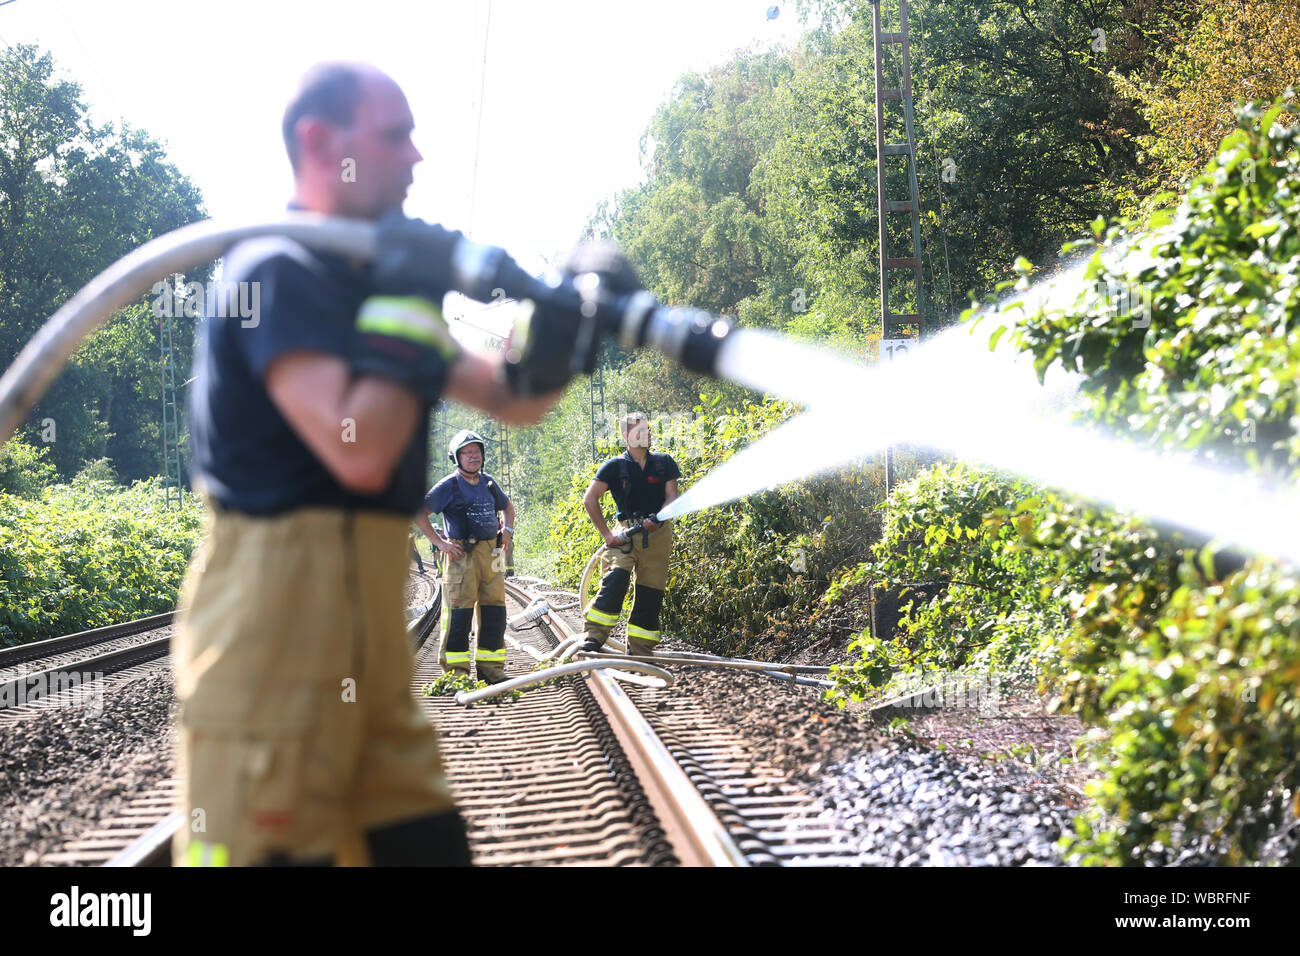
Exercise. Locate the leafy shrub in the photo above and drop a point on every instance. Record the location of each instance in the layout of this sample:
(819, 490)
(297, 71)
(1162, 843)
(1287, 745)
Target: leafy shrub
(1203, 724)
(88, 554)
(1189, 660)
(100, 469)
(960, 528)
(25, 469)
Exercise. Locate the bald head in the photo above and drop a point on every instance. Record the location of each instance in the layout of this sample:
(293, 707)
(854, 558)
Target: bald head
(348, 135)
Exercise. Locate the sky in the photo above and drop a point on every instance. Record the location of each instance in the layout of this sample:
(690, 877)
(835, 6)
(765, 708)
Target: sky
(562, 97)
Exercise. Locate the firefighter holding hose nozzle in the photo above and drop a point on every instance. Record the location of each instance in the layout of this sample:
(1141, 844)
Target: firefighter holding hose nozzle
(642, 483)
(299, 740)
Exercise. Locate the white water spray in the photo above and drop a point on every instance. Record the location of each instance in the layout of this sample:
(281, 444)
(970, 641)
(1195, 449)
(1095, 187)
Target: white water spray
(955, 394)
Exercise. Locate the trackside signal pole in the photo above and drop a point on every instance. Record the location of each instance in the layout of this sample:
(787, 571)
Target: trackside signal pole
(171, 424)
(898, 330)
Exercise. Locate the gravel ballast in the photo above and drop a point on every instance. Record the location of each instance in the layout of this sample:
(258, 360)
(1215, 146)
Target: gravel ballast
(65, 768)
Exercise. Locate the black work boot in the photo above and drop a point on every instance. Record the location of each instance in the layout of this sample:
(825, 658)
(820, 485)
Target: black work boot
(591, 644)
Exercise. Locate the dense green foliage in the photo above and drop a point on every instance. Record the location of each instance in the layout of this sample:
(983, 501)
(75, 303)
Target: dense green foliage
(88, 554)
(1188, 658)
(959, 529)
(25, 469)
(1225, 51)
(760, 191)
(1196, 677)
(74, 197)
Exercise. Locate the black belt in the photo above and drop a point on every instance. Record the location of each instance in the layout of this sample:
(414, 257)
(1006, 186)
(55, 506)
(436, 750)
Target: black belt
(473, 541)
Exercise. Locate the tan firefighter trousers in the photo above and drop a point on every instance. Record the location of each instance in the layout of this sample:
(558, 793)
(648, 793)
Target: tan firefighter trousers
(298, 731)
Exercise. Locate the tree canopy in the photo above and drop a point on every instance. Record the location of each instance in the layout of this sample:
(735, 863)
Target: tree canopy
(74, 197)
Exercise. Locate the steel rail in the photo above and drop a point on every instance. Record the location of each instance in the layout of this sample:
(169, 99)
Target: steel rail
(36, 650)
(697, 835)
(45, 683)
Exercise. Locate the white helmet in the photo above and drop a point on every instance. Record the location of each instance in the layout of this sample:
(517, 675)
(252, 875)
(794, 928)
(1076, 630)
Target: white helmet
(465, 437)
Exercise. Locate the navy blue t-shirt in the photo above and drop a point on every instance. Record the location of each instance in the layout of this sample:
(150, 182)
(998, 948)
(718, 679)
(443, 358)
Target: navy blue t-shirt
(645, 489)
(245, 454)
(469, 511)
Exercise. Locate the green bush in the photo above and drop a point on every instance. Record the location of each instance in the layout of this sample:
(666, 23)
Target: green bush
(25, 469)
(960, 529)
(1204, 724)
(1192, 668)
(89, 554)
(1189, 660)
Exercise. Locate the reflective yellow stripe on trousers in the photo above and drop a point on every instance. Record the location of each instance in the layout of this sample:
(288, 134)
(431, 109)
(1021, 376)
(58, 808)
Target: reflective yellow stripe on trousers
(199, 853)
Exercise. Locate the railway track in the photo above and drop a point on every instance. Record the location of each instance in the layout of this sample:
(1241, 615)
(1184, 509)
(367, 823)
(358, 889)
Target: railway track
(72, 669)
(770, 819)
(582, 771)
(569, 774)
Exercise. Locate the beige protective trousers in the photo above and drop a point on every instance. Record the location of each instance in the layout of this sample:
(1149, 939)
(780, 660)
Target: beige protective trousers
(298, 731)
(647, 559)
(476, 579)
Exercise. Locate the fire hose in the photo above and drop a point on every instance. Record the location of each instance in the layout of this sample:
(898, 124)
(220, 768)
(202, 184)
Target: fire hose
(577, 309)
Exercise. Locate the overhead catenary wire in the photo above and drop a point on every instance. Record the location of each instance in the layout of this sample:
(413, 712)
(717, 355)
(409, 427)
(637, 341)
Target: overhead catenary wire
(478, 134)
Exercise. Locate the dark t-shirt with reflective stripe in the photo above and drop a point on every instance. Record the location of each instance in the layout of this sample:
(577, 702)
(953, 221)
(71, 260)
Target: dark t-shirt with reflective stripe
(244, 452)
(646, 489)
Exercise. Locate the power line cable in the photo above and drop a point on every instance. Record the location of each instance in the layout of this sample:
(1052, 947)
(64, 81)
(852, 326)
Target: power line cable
(108, 89)
(478, 135)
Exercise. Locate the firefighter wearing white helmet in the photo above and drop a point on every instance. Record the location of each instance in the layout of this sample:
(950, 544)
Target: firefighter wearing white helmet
(474, 545)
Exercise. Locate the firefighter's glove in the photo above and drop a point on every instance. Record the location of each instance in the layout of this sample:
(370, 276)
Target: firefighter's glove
(405, 338)
(553, 340)
(413, 257)
(541, 354)
(606, 260)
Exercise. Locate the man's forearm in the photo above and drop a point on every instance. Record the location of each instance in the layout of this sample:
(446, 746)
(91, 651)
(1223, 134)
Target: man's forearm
(426, 526)
(358, 429)
(597, 516)
(479, 382)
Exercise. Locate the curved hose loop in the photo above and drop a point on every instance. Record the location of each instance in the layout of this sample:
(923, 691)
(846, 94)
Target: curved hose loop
(575, 667)
(585, 584)
(563, 649)
(122, 283)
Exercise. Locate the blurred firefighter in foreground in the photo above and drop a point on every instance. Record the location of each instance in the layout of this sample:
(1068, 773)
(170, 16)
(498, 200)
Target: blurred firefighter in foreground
(299, 739)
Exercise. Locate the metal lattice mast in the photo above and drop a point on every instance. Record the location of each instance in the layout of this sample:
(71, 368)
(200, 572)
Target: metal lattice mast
(171, 427)
(440, 438)
(597, 408)
(897, 324)
(503, 441)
